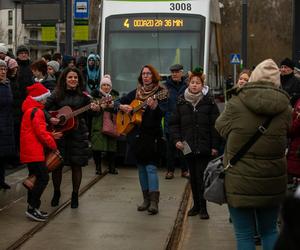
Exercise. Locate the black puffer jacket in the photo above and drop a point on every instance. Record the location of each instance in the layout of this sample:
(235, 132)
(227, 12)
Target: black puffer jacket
(74, 144)
(7, 141)
(196, 126)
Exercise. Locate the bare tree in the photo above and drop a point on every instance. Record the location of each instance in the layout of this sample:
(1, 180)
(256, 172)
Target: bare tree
(269, 30)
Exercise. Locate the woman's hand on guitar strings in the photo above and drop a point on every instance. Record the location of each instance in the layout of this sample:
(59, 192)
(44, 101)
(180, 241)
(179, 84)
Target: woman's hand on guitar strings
(152, 103)
(125, 108)
(95, 107)
(54, 120)
(57, 135)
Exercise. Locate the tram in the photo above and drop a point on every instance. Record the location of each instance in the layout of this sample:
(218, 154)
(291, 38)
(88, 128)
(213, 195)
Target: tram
(139, 32)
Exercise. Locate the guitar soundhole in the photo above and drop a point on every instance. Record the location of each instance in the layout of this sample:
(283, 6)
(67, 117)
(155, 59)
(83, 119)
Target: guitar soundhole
(62, 120)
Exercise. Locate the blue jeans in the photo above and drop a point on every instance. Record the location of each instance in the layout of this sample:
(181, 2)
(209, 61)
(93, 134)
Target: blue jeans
(148, 177)
(245, 220)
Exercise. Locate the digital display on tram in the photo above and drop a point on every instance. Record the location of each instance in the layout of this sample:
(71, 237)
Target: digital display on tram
(155, 23)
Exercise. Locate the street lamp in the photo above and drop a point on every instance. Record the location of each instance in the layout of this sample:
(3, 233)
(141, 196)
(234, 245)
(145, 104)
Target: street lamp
(244, 32)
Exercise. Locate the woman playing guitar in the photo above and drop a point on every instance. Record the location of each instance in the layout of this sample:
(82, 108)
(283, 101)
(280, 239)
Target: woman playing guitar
(144, 139)
(74, 143)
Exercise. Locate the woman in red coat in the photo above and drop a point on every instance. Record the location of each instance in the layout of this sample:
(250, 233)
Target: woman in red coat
(34, 138)
(292, 159)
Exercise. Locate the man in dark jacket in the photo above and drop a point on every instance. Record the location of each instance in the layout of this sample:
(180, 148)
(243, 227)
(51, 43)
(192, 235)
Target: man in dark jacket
(289, 82)
(25, 76)
(176, 84)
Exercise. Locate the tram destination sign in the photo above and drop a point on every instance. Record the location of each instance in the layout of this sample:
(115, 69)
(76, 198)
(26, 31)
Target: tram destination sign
(156, 23)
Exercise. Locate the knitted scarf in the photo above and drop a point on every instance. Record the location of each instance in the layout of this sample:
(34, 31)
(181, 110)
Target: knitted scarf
(194, 99)
(144, 92)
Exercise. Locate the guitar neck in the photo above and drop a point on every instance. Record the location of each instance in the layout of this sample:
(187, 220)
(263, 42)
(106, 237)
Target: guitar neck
(78, 111)
(137, 108)
(143, 104)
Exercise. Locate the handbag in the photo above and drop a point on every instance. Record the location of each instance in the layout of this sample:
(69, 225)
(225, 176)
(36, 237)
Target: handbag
(214, 174)
(109, 126)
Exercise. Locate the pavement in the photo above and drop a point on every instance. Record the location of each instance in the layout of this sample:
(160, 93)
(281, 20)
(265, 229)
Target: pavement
(107, 218)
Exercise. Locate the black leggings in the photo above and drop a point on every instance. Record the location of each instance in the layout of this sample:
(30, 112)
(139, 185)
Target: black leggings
(76, 178)
(40, 170)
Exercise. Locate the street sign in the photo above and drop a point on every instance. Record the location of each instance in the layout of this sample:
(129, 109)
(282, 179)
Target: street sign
(81, 9)
(235, 58)
(42, 11)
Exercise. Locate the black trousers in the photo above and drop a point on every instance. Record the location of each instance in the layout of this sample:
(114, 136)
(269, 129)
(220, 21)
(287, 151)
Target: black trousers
(111, 157)
(3, 163)
(40, 170)
(174, 154)
(197, 164)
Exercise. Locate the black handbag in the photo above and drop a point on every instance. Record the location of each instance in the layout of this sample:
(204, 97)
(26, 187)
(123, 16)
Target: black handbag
(214, 174)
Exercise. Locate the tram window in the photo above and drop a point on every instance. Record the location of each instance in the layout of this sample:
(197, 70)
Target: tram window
(127, 48)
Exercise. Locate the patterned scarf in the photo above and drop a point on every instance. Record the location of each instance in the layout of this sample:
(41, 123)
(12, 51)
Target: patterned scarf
(144, 92)
(194, 99)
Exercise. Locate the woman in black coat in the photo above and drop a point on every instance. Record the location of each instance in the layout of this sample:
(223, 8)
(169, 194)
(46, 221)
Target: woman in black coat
(193, 132)
(7, 139)
(74, 143)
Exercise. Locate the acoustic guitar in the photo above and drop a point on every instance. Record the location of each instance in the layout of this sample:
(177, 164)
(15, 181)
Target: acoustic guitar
(126, 122)
(67, 116)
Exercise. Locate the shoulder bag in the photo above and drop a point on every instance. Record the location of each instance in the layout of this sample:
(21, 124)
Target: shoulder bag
(214, 174)
(109, 126)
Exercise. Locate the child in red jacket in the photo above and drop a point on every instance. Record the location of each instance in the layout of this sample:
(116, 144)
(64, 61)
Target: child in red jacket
(34, 138)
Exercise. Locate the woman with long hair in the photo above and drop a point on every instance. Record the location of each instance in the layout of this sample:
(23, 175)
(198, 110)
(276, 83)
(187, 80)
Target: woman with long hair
(74, 143)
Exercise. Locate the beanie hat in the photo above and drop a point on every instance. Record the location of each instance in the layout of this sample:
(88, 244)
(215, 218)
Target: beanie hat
(38, 91)
(54, 65)
(12, 63)
(3, 49)
(288, 62)
(22, 48)
(3, 63)
(106, 80)
(266, 71)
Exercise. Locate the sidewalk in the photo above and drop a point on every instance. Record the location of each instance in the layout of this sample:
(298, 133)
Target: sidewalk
(213, 234)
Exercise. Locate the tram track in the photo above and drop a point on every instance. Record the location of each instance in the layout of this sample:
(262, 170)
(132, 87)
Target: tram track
(30, 233)
(177, 232)
(173, 239)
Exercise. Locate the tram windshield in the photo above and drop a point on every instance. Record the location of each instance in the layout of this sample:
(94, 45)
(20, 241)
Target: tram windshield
(161, 40)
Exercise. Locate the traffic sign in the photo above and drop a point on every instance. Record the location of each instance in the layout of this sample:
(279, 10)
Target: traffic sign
(81, 9)
(235, 58)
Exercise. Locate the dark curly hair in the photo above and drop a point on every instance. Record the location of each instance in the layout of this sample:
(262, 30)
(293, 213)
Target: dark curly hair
(61, 86)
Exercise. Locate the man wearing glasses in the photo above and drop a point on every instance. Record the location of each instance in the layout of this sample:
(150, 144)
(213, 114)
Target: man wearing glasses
(289, 82)
(176, 84)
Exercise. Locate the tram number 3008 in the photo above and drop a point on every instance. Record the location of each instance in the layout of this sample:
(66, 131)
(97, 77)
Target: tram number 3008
(180, 6)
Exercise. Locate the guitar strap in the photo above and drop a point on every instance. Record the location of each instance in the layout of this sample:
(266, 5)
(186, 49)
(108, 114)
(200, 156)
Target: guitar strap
(34, 110)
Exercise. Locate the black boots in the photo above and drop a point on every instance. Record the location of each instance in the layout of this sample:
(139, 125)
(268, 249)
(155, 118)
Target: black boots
(74, 200)
(203, 210)
(55, 199)
(98, 169)
(146, 203)
(194, 211)
(154, 199)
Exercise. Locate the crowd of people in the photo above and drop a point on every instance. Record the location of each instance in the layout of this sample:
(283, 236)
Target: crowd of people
(181, 112)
